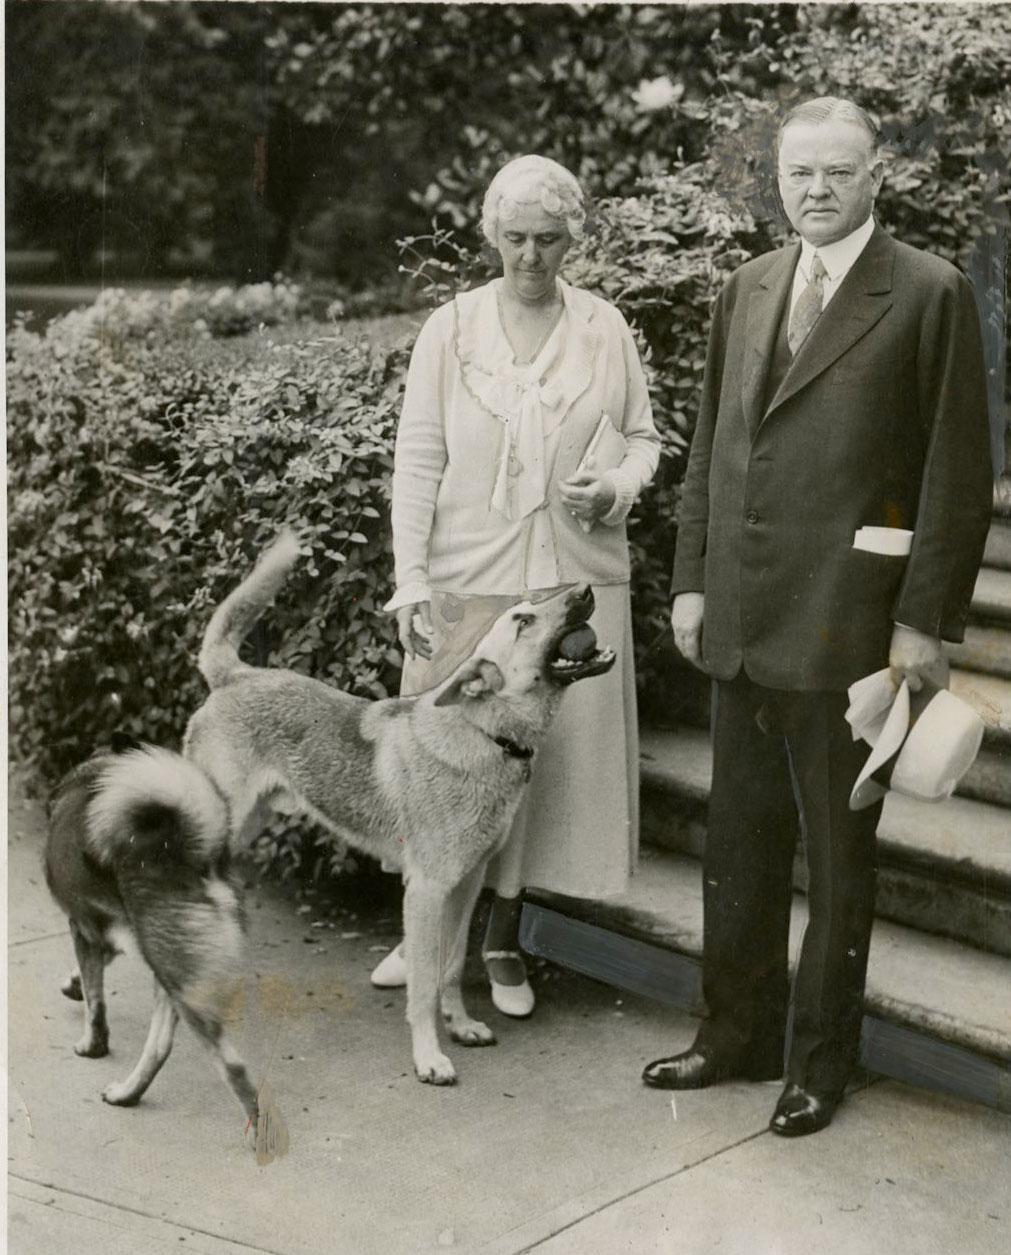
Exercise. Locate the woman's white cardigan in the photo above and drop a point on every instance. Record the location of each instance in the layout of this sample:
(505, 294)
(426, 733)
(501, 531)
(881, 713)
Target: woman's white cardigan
(462, 395)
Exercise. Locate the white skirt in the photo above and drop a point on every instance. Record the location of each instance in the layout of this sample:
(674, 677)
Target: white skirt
(577, 828)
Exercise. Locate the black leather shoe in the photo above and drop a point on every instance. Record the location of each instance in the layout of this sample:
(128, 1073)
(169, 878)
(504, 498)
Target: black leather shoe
(695, 1069)
(689, 1070)
(799, 1113)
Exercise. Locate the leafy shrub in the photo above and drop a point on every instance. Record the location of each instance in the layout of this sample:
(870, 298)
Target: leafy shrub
(116, 315)
(613, 92)
(144, 475)
(938, 79)
(240, 139)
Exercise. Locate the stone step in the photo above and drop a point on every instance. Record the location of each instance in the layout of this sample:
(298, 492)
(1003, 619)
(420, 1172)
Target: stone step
(990, 697)
(989, 778)
(991, 598)
(998, 546)
(943, 867)
(925, 983)
(985, 649)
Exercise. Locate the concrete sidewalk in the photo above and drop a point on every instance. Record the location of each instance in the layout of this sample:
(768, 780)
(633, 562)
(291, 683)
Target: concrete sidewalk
(549, 1142)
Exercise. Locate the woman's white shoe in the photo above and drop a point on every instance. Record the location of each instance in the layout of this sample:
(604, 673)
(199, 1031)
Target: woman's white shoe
(514, 1000)
(391, 971)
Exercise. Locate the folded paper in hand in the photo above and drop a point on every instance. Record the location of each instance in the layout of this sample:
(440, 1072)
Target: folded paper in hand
(605, 451)
(893, 540)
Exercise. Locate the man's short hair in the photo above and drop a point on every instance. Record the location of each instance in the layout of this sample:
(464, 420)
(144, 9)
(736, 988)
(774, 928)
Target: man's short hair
(830, 109)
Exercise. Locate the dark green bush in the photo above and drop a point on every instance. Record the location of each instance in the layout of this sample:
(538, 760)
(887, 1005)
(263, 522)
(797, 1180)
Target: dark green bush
(145, 472)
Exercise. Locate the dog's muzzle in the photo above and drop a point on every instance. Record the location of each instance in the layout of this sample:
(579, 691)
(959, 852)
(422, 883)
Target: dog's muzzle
(576, 655)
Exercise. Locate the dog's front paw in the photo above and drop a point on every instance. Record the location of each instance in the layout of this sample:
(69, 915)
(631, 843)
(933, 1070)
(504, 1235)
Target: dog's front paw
(471, 1033)
(92, 1046)
(435, 1069)
(119, 1095)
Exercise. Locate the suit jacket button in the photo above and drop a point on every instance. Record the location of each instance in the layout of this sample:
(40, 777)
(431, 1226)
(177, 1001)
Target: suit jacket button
(752, 516)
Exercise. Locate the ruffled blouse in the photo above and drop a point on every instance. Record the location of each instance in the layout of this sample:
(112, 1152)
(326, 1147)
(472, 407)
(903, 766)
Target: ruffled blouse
(483, 443)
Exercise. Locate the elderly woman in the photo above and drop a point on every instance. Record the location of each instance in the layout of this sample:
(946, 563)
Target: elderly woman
(497, 496)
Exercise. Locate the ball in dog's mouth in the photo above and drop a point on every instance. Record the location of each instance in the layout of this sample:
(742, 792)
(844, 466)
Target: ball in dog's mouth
(577, 656)
(579, 644)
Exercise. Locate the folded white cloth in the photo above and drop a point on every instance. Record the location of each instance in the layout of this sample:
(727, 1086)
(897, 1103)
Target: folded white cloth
(871, 699)
(897, 541)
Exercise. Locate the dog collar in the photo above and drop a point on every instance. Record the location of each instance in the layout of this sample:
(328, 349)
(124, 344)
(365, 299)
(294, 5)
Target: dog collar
(513, 749)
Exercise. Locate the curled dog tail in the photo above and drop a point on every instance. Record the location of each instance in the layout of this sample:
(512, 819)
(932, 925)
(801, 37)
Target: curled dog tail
(239, 612)
(152, 806)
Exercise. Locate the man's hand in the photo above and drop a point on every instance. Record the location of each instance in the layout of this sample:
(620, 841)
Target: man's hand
(412, 641)
(587, 498)
(914, 655)
(686, 620)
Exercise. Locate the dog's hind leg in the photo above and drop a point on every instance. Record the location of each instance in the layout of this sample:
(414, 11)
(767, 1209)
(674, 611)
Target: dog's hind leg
(92, 957)
(156, 1050)
(426, 950)
(227, 1059)
(462, 1028)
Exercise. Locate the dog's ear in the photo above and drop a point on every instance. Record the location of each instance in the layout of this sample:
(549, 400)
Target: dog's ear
(476, 679)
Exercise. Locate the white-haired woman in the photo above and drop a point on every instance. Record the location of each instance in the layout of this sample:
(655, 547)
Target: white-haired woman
(507, 387)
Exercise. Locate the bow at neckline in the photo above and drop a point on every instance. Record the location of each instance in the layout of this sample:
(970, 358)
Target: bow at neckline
(529, 400)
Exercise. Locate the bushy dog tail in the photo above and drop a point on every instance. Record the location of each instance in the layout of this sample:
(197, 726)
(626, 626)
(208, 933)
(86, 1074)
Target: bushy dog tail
(153, 806)
(239, 612)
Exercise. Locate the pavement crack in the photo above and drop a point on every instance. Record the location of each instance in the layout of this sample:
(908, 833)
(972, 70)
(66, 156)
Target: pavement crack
(145, 1215)
(30, 941)
(639, 1189)
(868, 1082)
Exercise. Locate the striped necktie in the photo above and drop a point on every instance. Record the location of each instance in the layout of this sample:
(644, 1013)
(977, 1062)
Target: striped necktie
(808, 308)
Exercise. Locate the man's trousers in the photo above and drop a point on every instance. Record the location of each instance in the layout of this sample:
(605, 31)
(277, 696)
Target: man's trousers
(783, 761)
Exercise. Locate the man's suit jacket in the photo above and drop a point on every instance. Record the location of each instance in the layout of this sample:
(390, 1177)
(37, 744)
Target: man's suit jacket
(881, 420)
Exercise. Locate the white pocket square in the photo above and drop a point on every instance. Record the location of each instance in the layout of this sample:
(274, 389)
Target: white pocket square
(891, 540)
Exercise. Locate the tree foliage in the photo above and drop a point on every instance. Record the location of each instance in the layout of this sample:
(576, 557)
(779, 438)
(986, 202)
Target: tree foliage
(132, 135)
(246, 138)
(241, 139)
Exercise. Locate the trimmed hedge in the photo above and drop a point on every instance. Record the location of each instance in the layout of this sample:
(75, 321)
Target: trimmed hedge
(148, 463)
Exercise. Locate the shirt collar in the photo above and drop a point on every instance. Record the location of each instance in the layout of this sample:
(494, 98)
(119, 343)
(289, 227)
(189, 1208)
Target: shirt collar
(837, 258)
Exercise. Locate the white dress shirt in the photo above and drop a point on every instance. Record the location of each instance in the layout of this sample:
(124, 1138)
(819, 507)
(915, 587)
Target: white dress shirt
(837, 259)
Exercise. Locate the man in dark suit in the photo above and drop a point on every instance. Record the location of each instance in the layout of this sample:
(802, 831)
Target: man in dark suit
(844, 389)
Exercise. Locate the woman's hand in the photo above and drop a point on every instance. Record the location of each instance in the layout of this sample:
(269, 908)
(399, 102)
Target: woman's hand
(413, 642)
(587, 498)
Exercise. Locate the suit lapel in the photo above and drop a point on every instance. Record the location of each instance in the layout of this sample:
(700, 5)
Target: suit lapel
(863, 298)
(765, 312)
